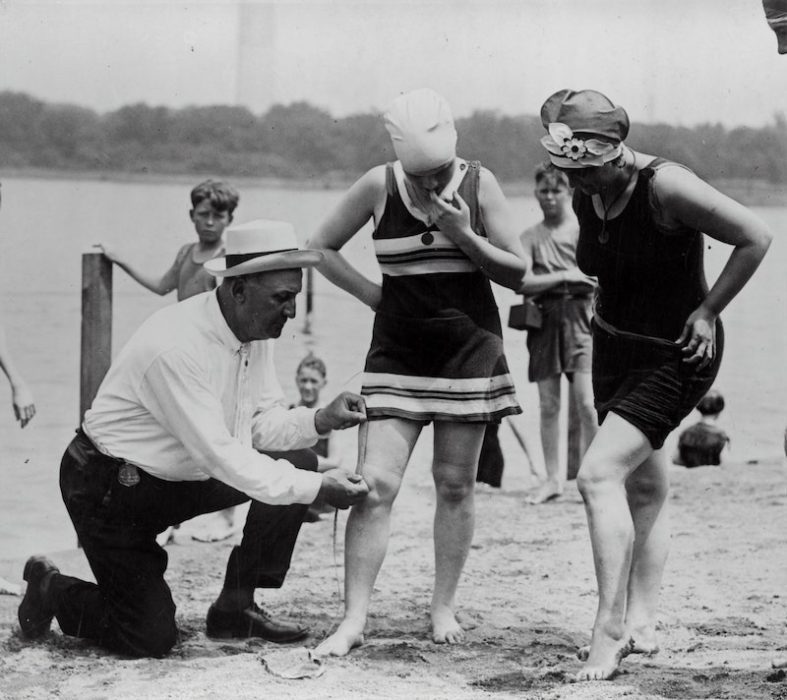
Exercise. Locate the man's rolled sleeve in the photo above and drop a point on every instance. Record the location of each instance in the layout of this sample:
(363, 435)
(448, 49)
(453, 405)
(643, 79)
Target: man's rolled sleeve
(276, 428)
(306, 484)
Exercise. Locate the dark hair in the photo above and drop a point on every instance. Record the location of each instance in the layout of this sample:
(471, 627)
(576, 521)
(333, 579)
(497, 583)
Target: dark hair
(311, 361)
(553, 175)
(222, 197)
(711, 404)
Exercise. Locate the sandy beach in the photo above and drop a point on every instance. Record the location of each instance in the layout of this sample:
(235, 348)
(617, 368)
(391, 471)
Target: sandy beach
(268, 88)
(527, 598)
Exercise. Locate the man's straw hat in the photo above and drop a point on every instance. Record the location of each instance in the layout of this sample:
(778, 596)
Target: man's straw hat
(261, 246)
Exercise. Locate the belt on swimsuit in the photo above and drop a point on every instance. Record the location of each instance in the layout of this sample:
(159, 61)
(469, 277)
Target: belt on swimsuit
(616, 332)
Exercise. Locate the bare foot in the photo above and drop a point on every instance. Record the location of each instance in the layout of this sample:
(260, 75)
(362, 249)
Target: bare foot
(641, 645)
(445, 628)
(341, 642)
(546, 492)
(466, 622)
(643, 641)
(603, 659)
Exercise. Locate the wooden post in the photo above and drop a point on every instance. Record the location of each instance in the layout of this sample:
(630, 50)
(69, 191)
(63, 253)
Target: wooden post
(574, 450)
(307, 324)
(96, 350)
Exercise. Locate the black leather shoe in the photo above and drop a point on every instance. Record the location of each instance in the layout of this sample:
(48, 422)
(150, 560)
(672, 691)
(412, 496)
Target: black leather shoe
(35, 612)
(251, 622)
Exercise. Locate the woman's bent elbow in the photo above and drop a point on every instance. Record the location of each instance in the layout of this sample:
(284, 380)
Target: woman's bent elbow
(511, 277)
(514, 280)
(312, 244)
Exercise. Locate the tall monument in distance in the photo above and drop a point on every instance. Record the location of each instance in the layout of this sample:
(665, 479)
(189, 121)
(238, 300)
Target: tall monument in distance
(256, 86)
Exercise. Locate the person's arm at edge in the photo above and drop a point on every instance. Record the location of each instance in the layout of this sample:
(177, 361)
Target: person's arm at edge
(21, 396)
(354, 210)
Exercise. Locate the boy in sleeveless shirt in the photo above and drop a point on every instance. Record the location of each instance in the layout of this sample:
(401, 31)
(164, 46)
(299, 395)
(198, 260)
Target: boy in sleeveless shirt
(213, 205)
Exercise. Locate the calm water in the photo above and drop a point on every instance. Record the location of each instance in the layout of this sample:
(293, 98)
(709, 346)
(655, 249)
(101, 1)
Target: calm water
(46, 225)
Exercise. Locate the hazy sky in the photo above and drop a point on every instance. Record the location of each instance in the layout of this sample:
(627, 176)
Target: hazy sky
(680, 61)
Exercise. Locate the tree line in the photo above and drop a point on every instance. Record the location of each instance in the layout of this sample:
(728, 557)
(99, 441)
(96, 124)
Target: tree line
(305, 142)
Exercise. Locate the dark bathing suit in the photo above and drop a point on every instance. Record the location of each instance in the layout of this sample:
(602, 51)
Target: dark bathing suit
(651, 279)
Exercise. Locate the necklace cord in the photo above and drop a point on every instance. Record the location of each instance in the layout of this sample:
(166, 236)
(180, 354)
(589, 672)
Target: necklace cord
(603, 236)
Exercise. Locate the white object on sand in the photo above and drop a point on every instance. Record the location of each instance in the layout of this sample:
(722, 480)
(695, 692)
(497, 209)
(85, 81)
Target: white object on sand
(293, 663)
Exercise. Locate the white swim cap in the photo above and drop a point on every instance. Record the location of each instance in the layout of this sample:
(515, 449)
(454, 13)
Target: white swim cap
(422, 130)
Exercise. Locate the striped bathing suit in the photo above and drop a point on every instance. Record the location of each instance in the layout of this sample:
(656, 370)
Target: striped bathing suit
(437, 349)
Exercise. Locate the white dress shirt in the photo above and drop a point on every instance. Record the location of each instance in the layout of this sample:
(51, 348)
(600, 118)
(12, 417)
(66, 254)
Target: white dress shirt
(185, 400)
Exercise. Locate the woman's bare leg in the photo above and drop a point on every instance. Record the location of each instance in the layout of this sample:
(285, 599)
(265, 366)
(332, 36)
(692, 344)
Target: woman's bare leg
(456, 450)
(549, 405)
(617, 450)
(647, 490)
(389, 444)
(582, 394)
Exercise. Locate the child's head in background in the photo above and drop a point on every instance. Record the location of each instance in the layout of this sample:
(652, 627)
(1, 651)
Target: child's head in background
(310, 378)
(213, 204)
(553, 192)
(711, 405)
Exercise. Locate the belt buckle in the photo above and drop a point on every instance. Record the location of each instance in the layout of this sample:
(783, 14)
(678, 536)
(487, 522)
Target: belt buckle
(128, 475)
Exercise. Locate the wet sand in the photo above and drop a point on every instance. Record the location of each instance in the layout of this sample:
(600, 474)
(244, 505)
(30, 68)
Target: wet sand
(528, 597)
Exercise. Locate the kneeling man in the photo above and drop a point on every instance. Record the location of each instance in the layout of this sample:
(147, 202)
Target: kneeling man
(177, 430)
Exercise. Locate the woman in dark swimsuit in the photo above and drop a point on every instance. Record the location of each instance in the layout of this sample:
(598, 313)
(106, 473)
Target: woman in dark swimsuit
(657, 344)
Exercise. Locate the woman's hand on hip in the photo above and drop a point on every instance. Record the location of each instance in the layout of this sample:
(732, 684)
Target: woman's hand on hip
(699, 338)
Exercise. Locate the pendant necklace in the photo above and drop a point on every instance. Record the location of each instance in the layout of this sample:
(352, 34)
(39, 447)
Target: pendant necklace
(603, 236)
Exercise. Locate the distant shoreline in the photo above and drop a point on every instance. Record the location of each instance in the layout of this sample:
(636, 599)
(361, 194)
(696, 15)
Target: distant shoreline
(325, 182)
(758, 193)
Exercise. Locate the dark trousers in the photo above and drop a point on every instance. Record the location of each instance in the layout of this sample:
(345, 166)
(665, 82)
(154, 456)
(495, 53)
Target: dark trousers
(130, 608)
(490, 460)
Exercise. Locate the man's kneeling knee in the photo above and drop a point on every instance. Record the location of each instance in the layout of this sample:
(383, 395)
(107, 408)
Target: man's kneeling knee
(154, 639)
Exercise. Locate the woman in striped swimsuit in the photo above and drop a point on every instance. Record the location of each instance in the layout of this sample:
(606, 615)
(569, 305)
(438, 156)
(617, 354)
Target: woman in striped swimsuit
(442, 231)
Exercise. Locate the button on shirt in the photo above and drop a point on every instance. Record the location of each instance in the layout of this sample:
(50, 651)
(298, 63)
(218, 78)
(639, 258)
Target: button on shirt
(185, 400)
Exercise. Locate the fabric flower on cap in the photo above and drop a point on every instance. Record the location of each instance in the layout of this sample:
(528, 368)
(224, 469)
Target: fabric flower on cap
(569, 151)
(422, 130)
(587, 112)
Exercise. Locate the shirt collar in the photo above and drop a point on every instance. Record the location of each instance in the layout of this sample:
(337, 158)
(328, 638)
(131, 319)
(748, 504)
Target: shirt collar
(219, 324)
